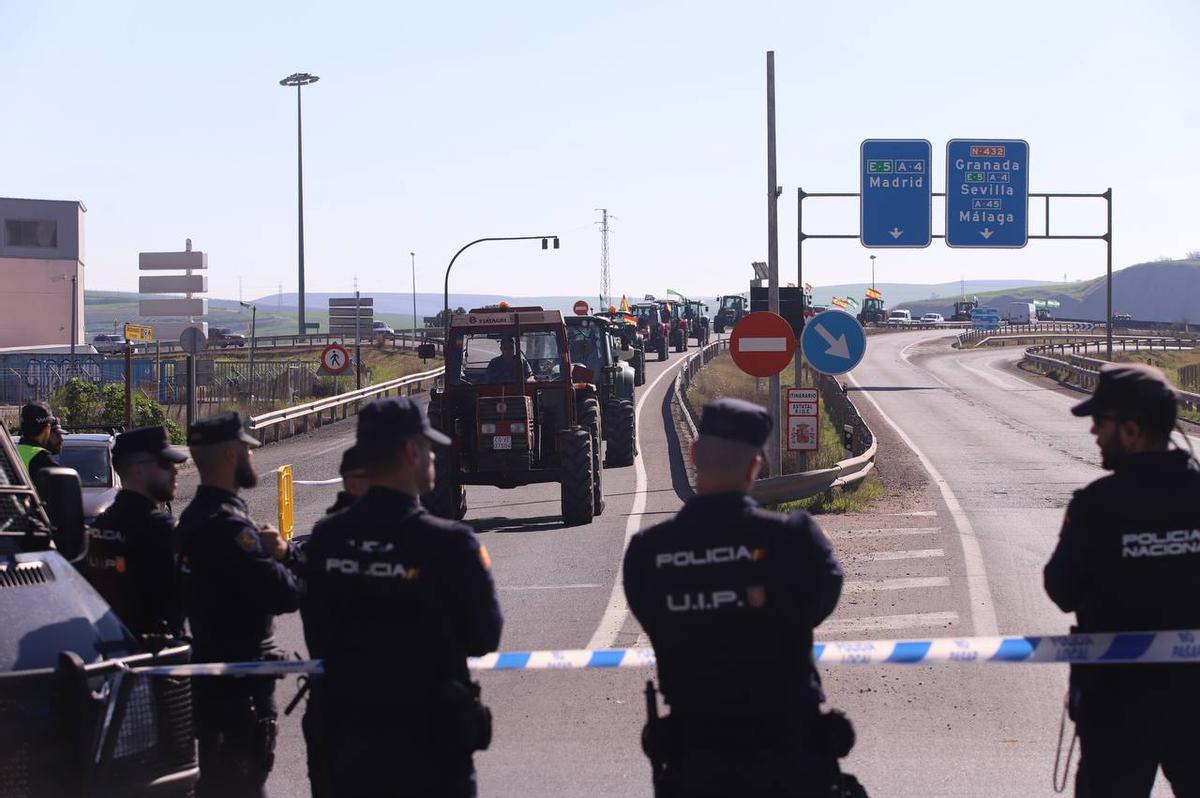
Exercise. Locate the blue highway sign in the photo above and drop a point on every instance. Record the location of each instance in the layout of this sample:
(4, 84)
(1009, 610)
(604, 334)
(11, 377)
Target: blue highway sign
(833, 342)
(987, 193)
(896, 200)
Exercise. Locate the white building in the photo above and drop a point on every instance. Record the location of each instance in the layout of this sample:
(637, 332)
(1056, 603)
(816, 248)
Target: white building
(41, 272)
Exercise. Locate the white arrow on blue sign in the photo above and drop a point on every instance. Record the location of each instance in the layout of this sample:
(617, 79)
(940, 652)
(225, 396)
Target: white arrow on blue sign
(833, 342)
(987, 193)
(895, 196)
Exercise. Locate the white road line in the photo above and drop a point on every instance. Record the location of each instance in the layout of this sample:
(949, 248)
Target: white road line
(979, 591)
(907, 554)
(925, 513)
(909, 583)
(882, 623)
(885, 533)
(581, 586)
(615, 613)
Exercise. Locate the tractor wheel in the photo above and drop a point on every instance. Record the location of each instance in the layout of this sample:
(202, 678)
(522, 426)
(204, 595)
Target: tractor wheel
(718, 326)
(575, 462)
(675, 344)
(639, 367)
(662, 349)
(622, 434)
(447, 499)
(589, 419)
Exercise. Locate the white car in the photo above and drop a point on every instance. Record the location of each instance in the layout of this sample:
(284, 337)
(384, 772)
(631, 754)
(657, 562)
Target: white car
(899, 317)
(932, 318)
(381, 328)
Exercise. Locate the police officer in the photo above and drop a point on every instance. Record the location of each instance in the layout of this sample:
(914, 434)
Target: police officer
(1128, 559)
(236, 578)
(131, 545)
(354, 481)
(397, 600)
(729, 594)
(35, 445)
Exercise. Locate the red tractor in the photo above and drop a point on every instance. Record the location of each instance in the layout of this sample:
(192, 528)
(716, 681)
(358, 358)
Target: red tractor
(517, 412)
(654, 330)
(672, 314)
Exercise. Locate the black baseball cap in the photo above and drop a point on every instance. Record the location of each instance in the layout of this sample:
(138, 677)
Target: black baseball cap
(151, 441)
(221, 428)
(385, 422)
(36, 415)
(736, 420)
(352, 460)
(1130, 389)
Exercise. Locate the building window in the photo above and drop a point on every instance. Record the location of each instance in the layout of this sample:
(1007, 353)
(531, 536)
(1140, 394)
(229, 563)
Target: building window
(31, 233)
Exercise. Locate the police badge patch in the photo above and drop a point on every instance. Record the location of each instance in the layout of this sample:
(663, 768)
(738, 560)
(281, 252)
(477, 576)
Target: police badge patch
(247, 540)
(756, 596)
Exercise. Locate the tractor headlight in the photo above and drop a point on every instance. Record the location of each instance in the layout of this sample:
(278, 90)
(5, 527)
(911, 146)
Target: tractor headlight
(517, 428)
(487, 429)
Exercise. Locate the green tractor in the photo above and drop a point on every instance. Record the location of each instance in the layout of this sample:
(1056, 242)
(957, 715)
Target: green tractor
(624, 327)
(593, 345)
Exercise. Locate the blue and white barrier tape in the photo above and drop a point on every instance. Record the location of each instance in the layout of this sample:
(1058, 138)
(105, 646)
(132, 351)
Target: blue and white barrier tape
(334, 481)
(1101, 649)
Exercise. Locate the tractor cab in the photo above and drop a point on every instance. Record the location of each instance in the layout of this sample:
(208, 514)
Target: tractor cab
(730, 310)
(671, 313)
(653, 328)
(696, 312)
(517, 411)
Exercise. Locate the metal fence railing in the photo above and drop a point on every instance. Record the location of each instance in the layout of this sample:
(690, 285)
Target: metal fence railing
(1189, 378)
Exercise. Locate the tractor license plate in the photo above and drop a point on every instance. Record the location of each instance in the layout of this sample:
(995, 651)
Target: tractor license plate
(502, 442)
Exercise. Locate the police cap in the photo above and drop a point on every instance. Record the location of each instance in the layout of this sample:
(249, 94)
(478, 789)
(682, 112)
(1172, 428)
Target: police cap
(36, 415)
(736, 420)
(1131, 390)
(352, 460)
(385, 422)
(151, 441)
(221, 428)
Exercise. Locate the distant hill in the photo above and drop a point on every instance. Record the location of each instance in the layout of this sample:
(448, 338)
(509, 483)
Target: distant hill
(431, 304)
(1157, 291)
(895, 293)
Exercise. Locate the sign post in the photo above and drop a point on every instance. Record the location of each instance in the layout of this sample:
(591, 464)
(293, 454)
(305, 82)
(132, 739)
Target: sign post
(133, 332)
(896, 198)
(193, 341)
(987, 193)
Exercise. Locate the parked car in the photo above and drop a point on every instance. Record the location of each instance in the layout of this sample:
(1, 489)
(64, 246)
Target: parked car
(932, 318)
(899, 317)
(223, 337)
(108, 343)
(1021, 313)
(381, 328)
(91, 457)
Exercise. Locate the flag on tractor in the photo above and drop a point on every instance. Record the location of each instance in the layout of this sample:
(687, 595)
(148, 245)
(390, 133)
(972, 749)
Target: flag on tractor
(838, 302)
(852, 303)
(625, 308)
(873, 294)
(676, 293)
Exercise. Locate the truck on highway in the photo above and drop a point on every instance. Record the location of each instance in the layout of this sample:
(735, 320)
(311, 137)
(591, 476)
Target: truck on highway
(963, 308)
(74, 721)
(1021, 313)
(517, 412)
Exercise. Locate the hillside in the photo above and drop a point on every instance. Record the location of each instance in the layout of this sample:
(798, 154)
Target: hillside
(1158, 291)
(895, 293)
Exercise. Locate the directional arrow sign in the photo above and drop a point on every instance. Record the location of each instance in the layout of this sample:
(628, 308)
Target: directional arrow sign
(762, 344)
(896, 205)
(833, 342)
(987, 193)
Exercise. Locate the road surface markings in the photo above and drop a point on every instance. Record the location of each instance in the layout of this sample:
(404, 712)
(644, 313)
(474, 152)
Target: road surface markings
(979, 591)
(615, 613)
(910, 583)
(923, 513)
(884, 533)
(881, 623)
(581, 586)
(906, 554)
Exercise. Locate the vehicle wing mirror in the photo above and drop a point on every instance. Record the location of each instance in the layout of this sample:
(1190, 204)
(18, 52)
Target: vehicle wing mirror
(426, 351)
(62, 496)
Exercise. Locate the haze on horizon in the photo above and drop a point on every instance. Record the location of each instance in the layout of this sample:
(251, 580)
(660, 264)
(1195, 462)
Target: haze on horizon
(432, 126)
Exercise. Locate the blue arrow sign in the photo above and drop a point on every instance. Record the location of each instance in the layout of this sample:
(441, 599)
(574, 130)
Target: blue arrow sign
(833, 342)
(987, 193)
(896, 205)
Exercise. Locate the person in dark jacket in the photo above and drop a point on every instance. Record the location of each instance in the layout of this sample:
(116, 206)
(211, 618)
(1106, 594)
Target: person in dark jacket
(729, 594)
(1127, 560)
(236, 578)
(131, 558)
(35, 445)
(354, 481)
(397, 600)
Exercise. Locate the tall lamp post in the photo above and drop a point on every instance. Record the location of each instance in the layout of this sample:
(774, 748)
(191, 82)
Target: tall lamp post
(413, 255)
(872, 272)
(446, 288)
(300, 79)
(253, 324)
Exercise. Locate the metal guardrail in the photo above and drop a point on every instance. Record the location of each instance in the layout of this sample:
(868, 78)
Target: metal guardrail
(284, 423)
(1085, 371)
(790, 487)
(1042, 328)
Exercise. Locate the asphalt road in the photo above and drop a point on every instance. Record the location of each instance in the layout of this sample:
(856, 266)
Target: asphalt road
(960, 554)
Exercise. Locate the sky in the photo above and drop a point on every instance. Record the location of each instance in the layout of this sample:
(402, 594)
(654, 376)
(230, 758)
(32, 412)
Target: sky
(434, 124)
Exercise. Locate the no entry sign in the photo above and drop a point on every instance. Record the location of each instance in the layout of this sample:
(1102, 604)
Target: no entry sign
(335, 358)
(581, 308)
(762, 344)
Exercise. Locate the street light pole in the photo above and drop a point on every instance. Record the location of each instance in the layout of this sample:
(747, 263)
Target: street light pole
(253, 336)
(872, 272)
(446, 286)
(298, 80)
(413, 255)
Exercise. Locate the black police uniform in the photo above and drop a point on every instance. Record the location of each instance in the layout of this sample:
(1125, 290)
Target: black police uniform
(131, 559)
(232, 590)
(729, 594)
(1128, 559)
(397, 599)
